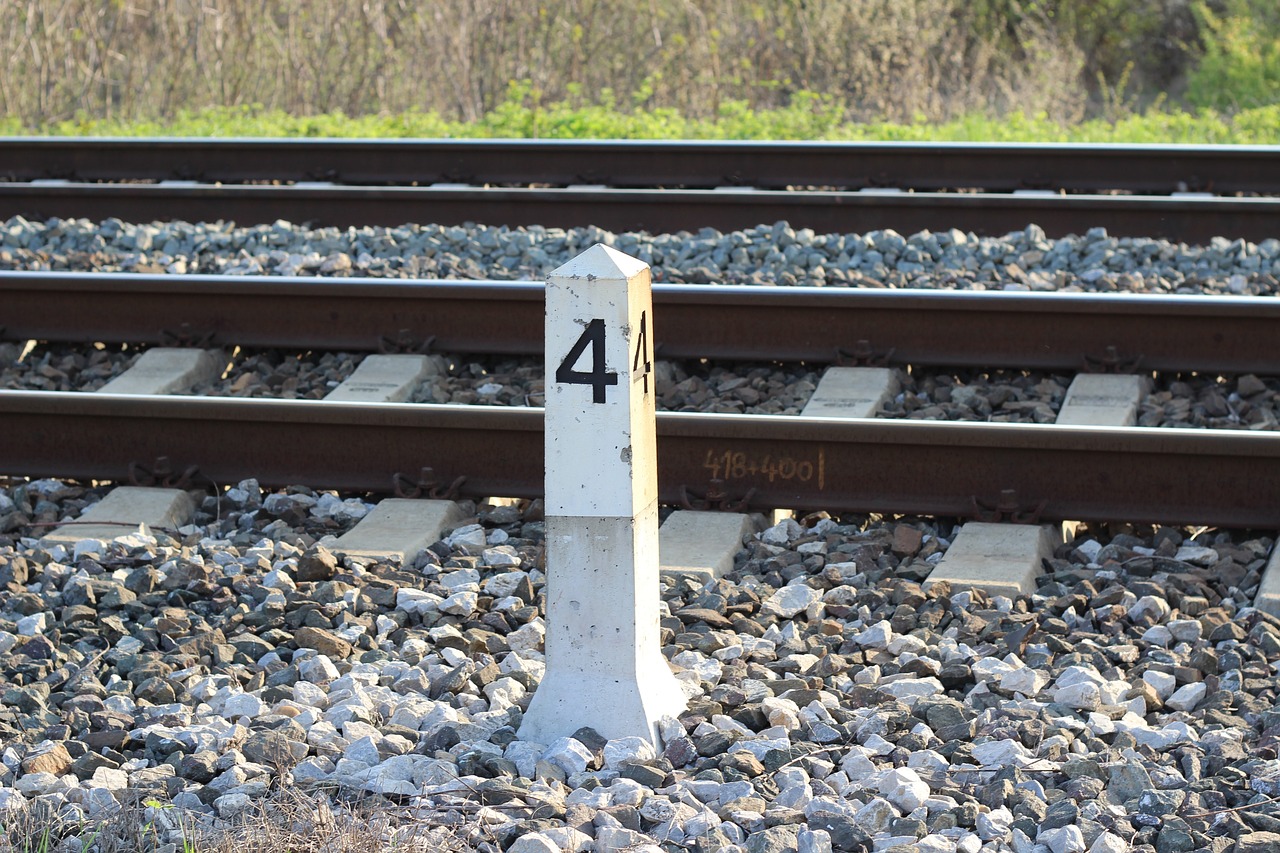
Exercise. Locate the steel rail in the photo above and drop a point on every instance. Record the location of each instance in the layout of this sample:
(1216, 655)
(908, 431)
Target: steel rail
(998, 167)
(932, 327)
(1170, 476)
(655, 210)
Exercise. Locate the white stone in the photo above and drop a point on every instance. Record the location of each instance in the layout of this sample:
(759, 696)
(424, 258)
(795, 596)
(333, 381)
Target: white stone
(1003, 559)
(929, 761)
(364, 749)
(1083, 695)
(88, 548)
(701, 823)
(987, 669)
(470, 538)
(460, 604)
(1152, 604)
(1001, 753)
(1064, 839)
(38, 783)
(994, 824)
(605, 668)
(782, 532)
(1187, 697)
(462, 580)
(1090, 548)
(615, 839)
(857, 765)
(112, 780)
(36, 623)
(851, 392)
(1185, 630)
(1024, 680)
(318, 670)
(315, 769)
(877, 636)
(1267, 598)
(702, 543)
(231, 804)
(1162, 682)
(243, 705)
(794, 797)
(503, 693)
(1108, 843)
(568, 839)
(505, 584)
(529, 637)
(904, 788)
(1157, 739)
(790, 600)
(627, 792)
(911, 689)
(332, 506)
(167, 370)
(1198, 555)
(500, 557)
(874, 817)
(534, 842)
(813, 841)
(124, 508)
(1022, 844)
(935, 843)
(569, 754)
(908, 644)
(1158, 635)
(384, 379)
(627, 750)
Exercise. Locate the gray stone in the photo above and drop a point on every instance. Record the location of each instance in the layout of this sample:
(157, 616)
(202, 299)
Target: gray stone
(1128, 781)
(776, 839)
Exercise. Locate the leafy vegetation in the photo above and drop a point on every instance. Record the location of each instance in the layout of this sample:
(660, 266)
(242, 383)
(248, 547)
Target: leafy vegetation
(1026, 70)
(1241, 63)
(809, 116)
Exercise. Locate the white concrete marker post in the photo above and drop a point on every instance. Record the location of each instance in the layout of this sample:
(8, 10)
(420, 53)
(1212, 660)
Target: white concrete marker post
(605, 667)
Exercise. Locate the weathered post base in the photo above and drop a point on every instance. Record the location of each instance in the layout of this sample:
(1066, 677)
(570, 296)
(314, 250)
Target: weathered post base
(604, 664)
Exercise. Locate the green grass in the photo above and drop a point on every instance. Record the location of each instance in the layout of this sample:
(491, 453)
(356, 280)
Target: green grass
(809, 116)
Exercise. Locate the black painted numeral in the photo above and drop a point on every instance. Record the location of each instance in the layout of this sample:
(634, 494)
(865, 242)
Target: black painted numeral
(642, 352)
(598, 378)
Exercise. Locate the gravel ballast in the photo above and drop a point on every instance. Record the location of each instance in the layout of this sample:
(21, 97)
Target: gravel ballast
(62, 367)
(1130, 704)
(774, 254)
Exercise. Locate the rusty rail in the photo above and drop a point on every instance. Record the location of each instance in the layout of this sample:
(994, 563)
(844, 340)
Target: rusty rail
(655, 210)
(927, 166)
(933, 327)
(1168, 476)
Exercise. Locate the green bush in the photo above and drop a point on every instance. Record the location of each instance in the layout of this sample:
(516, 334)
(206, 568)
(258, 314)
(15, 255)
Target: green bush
(523, 114)
(1240, 68)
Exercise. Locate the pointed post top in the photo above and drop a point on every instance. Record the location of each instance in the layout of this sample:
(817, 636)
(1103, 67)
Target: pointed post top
(600, 261)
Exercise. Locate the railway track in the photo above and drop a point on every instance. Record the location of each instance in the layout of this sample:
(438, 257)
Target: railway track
(1157, 475)
(1148, 654)
(966, 470)
(1176, 192)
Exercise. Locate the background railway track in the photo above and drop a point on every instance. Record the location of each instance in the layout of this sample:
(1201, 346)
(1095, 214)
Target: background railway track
(1176, 192)
(1162, 639)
